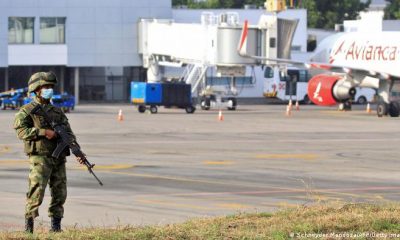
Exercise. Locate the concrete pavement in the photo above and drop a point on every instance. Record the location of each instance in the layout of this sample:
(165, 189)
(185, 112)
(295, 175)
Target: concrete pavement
(173, 166)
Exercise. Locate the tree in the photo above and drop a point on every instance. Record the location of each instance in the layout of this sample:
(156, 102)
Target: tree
(392, 11)
(321, 13)
(326, 13)
(217, 3)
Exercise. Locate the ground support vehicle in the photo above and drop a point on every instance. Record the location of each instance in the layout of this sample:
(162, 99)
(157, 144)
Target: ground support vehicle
(12, 99)
(152, 95)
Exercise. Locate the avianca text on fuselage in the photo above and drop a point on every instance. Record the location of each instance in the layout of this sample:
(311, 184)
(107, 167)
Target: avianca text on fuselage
(367, 51)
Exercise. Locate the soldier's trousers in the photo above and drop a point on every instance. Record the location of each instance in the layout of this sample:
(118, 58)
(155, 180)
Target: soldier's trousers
(43, 170)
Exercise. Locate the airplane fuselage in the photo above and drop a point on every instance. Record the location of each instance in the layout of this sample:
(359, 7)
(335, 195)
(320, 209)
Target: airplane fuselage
(376, 52)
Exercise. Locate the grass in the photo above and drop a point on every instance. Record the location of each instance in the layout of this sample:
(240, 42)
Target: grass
(284, 224)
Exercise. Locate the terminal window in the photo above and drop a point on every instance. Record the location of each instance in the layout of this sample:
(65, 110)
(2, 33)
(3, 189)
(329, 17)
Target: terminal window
(52, 30)
(20, 30)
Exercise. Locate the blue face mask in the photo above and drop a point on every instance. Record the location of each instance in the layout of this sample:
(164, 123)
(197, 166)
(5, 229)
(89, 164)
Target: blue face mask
(47, 93)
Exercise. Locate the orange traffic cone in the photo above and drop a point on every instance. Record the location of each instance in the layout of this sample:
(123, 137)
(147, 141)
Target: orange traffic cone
(368, 108)
(120, 116)
(297, 106)
(220, 116)
(288, 110)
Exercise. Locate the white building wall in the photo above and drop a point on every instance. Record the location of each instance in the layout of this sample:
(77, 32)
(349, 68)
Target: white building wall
(3, 32)
(369, 22)
(98, 32)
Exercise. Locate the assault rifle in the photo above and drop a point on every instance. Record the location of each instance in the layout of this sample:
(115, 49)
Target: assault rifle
(66, 141)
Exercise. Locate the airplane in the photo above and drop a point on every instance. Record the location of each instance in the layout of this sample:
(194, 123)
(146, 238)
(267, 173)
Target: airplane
(353, 60)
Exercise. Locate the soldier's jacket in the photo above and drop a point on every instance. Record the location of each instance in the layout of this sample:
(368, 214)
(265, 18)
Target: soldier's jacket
(31, 129)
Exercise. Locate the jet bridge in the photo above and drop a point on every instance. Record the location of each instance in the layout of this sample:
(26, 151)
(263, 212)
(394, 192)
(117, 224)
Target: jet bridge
(211, 44)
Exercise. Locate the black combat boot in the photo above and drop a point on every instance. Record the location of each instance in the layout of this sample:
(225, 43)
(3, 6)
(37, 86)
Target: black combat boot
(55, 224)
(29, 225)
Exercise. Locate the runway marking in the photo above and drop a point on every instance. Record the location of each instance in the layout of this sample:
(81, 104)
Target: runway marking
(171, 178)
(308, 157)
(223, 162)
(235, 141)
(13, 162)
(349, 192)
(107, 167)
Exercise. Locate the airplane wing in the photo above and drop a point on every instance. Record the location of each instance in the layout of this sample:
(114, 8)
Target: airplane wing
(242, 50)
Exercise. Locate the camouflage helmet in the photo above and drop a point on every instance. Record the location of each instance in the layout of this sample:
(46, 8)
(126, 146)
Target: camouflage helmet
(40, 79)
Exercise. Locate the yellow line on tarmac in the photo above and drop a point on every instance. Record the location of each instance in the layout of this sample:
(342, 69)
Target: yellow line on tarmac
(13, 162)
(332, 192)
(165, 177)
(180, 179)
(223, 162)
(306, 156)
(107, 167)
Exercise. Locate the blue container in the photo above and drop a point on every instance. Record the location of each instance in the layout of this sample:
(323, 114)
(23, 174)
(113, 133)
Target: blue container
(146, 93)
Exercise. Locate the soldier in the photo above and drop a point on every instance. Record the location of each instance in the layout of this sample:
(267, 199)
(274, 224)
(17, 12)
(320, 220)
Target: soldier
(39, 142)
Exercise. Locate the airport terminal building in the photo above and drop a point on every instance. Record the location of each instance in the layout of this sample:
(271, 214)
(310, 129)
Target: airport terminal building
(92, 45)
(87, 43)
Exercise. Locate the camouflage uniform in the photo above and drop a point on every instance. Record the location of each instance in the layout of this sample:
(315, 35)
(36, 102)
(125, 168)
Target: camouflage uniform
(43, 167)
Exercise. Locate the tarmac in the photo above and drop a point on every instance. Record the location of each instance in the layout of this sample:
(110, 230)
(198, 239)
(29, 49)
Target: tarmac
(171, 166)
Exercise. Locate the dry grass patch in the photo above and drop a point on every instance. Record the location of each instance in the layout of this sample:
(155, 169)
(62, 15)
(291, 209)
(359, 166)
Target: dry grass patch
(349, 218)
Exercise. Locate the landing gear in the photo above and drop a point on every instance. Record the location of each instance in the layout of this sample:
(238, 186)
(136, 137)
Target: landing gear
(345, 106)
(382, 109)
(392, 109)
(385, 106)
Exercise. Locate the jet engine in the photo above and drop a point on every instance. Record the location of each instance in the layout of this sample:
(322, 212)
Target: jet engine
(327, 90)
